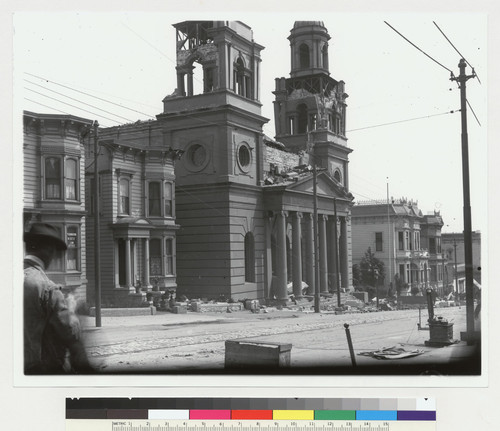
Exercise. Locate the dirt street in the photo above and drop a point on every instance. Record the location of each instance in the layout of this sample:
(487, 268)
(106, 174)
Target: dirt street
(165, 342)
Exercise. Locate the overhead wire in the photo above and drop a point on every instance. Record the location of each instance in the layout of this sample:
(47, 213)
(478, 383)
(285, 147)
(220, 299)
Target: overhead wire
(46, 106)
(475, 116)
(433, 59)
(415, 46)
(73, 106)
(449, 41)
(472, 67)
(220, 151)
(404, 121)
(88, 94)
(77, 100)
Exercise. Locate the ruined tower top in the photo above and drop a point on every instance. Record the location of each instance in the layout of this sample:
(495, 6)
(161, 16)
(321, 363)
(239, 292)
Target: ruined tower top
(309, 48)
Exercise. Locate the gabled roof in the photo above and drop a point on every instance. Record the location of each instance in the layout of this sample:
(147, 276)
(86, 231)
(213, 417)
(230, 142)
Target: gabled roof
(326, 185)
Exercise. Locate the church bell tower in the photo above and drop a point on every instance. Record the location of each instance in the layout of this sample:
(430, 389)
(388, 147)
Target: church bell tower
(214, 114)
(310, 106)
(214, 119)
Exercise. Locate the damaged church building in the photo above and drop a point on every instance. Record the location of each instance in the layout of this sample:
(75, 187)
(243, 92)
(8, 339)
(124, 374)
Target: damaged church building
(200, 200)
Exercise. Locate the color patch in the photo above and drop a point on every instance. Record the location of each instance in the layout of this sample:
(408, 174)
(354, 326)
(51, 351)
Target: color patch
(127, 414)
(252, 414)
(168, 414)
(335, 415)
(417, 415)
(210, 414)
(376, 415)
(287, 415)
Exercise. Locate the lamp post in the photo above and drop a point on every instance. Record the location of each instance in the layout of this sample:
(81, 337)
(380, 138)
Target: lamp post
(375, 278)
(97, 231)
(457, 294)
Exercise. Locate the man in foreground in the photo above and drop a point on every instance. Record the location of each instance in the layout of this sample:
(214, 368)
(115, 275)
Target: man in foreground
(52, 343)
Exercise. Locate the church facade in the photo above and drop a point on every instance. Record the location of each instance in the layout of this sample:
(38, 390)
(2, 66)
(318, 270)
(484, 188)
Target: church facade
(245, 201)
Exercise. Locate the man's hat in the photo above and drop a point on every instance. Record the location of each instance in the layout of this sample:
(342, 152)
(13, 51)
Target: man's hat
(45, 232)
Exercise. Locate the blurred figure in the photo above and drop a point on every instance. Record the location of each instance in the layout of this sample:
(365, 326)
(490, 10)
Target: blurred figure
(52, 343)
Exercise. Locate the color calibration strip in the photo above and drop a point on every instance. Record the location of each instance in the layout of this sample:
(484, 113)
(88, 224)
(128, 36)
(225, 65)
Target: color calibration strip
(350, 409)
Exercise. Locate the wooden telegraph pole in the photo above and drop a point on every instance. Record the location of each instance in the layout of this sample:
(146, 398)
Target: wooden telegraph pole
(469, 284)
(97, 230)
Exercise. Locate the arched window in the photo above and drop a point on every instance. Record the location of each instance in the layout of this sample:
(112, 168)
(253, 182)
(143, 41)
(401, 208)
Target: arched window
(249, 258)
(302, 118)
(242, 79)
(304, 56)
(337, 176)
(324, 56)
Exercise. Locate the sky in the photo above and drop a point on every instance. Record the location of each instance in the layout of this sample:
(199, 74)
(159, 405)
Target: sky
(399, 126)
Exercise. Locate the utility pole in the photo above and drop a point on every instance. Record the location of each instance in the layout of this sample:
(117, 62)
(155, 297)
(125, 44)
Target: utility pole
(469, 285)
(316, 242)
(310, 150)
(97, 230)
(442, 275)
(456, 272)
(389, 236)
(337, 256)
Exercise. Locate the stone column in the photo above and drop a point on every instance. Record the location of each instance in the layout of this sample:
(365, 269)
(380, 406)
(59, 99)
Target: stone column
(344, 263)
(180, 83)
(146, 281)
(190, 83)
(323, 268)
(117, 264)
(309, 238)
(281, 267)
(332, 261)
(268, 256)
(297, 255)
(128, 266)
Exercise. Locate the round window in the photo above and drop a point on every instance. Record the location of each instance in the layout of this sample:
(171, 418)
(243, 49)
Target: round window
(244, 157)
(197, 155)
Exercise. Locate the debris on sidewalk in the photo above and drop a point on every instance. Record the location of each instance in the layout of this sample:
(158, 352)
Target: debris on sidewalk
(393, 352)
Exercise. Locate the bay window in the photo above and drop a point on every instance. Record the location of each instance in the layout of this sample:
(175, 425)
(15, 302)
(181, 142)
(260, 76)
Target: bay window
(161, 259)
(60, 172)
(154, 196)
(155, 266)
(70, 180)
(53, 178)
(169, 257)
(160, 199)
(124, 203)
(168, 199)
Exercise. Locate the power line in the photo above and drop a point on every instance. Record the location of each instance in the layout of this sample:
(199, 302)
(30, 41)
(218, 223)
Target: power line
(475, 116)
(90, 95)
(73, 106)
(415, 46)
(403, 121)
(46, 106)
(77, 100)
(449, 41)
(51, 107)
